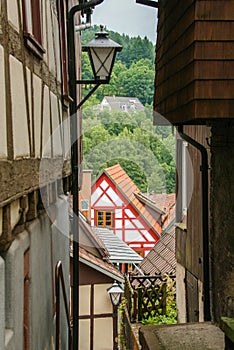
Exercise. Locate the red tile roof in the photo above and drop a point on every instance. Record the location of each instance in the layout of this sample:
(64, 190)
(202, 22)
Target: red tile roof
(128, 188)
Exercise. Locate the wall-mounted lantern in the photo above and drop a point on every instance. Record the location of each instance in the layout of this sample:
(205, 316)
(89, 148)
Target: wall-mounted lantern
(115, 292)
(102, 52)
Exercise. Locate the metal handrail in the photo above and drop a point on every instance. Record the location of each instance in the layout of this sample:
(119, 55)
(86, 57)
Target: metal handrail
(59, 278)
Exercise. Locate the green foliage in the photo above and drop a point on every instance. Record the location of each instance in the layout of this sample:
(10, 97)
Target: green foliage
(144, 151)
(133, 49)
(171, 313)
(169, 318)
(117, 137)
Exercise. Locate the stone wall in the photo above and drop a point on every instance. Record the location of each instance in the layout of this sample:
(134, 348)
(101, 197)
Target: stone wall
(222, 219)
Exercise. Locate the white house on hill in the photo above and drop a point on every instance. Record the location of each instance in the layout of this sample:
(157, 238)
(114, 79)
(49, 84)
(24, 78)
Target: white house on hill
(124, 104)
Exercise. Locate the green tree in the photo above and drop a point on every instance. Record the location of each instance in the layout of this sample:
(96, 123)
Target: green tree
(138, 81)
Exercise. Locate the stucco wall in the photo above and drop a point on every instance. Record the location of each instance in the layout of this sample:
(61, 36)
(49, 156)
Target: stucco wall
(96, 303)
(2, 303)
(42, 239)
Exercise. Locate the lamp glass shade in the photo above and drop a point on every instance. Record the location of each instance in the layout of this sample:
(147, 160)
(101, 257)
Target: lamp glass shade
(102, 52)
(115, 293)
(102, 62)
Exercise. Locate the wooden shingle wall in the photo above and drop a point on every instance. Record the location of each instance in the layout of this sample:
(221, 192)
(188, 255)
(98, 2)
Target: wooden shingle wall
(195, 60)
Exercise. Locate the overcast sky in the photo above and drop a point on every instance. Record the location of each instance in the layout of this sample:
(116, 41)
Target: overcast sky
(125, 16)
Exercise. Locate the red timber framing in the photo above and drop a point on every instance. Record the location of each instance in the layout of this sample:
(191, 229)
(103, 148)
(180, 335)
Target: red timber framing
(138, 228)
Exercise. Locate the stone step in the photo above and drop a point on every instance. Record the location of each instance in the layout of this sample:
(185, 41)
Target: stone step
(189, 336)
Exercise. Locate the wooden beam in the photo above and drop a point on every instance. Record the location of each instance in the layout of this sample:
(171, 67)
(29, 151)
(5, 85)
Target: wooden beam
(148, 3)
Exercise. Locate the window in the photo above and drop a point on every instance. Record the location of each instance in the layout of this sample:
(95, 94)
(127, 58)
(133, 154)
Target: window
(63, 51)
(32, 26)
(84, 204)
(105, 218)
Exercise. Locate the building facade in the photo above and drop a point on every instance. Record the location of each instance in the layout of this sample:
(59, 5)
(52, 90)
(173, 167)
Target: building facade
(117, 205)
(34, 171)
(194, 68)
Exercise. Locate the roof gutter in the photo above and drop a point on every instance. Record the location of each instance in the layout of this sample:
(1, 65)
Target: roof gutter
(205, 224)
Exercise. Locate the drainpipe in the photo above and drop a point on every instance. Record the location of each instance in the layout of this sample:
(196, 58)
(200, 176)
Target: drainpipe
(205, 224)
(75, 159)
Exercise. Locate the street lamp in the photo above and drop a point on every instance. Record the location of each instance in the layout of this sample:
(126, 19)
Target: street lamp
(102, 52)
(115, 292)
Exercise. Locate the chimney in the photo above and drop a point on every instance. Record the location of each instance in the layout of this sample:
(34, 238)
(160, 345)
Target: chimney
(85, 194)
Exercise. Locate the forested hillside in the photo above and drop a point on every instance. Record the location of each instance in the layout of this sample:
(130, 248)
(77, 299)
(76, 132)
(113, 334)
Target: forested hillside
(145, 152)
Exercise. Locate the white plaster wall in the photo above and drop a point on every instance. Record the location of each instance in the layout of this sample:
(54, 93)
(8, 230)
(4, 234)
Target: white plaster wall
(50, 47)
(14, 274)
(84, 300)
(102, 302)
(66, 138)
(60, 246)
(3, 132)
(57, 127)
(44, 29)
(20, 139)
(40, 239)
(84, 336)
(57, 46)
(15, 214)
(200, 301)
(41, 302)
(0, 221)
(103, 333)
(46, 140)
(12, 12)
(180, 294)
(37, 88)
(2, 303)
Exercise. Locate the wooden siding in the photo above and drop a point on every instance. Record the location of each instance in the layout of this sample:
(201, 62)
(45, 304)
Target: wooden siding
(189, 243)
(195, 60)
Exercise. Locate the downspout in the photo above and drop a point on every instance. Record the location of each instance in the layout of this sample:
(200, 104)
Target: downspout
(205, 224)
(75, 159)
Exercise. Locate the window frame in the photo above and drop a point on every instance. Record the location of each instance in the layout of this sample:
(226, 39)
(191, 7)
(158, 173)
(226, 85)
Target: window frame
(62, 11)
(105, 212)
(32, 17)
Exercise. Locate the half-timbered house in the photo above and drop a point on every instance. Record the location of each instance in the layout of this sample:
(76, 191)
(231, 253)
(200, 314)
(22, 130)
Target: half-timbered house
(115, 204)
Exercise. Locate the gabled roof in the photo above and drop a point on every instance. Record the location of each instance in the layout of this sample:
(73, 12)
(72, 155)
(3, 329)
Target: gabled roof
(165, 202)
(161, 259)
(99, 265)
(119, 251)
(148, 202)
(128, 189)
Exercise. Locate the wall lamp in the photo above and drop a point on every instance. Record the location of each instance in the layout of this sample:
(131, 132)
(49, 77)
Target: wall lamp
(102, 52)
(115, 292)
